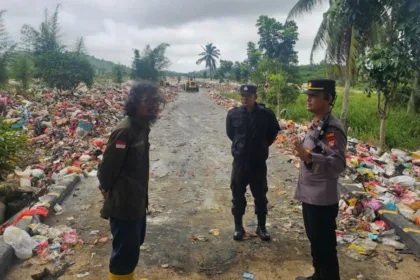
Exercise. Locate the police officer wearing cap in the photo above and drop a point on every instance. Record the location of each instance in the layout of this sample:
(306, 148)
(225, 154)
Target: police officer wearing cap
(252, 128)
(322, 154)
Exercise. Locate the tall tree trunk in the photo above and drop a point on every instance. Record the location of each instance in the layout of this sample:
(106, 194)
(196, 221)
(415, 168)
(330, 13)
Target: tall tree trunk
(346, 99)
(278, 103)
(382, 134)
(412, 102)
(382, 130)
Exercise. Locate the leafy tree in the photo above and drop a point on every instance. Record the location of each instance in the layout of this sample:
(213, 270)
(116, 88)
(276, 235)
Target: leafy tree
(209, 55)
(57, 67)
(279, 63)
(80, 47)
(346, 29)
(224, 70)
(118, 73)
(23, 69)
(6, 49)
(392, 62)
(64, 70)
(278, 40)
(237, 71)
(409, 22)
(47, 38)
(254, 56)
(150, 62)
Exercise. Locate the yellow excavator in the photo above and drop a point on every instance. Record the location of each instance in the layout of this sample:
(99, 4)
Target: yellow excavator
(191, 85)
(163, 82)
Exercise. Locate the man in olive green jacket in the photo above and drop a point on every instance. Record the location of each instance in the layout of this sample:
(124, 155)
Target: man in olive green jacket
(123, 176)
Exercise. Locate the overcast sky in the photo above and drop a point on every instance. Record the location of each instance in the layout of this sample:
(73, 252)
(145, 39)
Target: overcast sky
(112, 28)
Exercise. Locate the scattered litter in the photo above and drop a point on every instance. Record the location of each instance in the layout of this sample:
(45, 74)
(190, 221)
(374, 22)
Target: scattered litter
(103, 240)
(214, 232)
(82, 275)
(248, 275)
(94, 232)
(165, 265)
(58, 208)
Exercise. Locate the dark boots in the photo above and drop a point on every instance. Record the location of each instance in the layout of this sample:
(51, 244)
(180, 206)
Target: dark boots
(239, 229)
(261, 229)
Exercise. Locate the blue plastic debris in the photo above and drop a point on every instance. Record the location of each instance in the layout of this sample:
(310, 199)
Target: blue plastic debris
(247, 275)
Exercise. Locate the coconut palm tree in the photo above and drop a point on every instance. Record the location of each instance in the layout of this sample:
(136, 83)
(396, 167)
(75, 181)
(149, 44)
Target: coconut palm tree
(209, 55)
(346, 29)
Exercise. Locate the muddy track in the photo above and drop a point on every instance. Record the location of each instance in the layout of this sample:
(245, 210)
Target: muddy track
(190, 196)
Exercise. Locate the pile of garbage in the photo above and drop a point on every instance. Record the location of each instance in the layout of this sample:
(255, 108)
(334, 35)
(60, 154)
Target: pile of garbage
(228, 103)
(50, 244)
(67, 133)
(221, 87)
(390, 179)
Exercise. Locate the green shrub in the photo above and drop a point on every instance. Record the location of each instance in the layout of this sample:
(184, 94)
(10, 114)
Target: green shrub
(12, 145)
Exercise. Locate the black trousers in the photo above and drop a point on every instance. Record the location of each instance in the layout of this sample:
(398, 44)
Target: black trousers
(256, 177)
(320, 228)
(128, 236)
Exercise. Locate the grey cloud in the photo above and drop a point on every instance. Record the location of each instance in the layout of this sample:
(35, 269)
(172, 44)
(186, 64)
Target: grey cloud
(112, 28)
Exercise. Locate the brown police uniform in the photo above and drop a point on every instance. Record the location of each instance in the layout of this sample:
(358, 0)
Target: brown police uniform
(318, 189)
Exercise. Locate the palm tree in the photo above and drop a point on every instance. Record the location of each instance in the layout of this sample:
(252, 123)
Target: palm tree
(209, 55)
(346, 29)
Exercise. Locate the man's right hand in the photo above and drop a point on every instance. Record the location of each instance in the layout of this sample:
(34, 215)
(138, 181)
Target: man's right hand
(104, 193)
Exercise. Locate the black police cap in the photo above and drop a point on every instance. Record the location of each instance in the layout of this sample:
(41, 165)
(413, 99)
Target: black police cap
(251, 89)
(321, 85)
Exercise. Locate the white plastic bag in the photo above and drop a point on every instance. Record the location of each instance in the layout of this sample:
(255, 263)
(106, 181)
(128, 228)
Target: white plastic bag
(21, 242)
(405, 181)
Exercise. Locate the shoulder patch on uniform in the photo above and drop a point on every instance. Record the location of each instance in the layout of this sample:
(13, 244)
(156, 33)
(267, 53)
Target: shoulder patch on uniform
(120, 145)
(331, 141)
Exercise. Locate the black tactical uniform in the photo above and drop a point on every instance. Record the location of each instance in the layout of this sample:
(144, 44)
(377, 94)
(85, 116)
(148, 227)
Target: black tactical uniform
(251, 133)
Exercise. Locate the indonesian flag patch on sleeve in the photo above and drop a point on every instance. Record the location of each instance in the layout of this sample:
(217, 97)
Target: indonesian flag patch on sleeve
(331, 141)
(120, 145)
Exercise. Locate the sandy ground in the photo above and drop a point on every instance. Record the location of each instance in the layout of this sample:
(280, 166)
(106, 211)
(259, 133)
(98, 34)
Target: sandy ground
(190, 195)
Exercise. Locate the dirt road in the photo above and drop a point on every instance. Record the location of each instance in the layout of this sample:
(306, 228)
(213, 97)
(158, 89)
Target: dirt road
(190, 196)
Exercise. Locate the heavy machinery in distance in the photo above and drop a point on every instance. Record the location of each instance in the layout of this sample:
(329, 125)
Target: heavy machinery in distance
(191, 85)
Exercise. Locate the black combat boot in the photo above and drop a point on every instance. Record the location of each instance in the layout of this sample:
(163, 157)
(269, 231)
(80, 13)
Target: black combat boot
(261, 229)
(239, 229)
(313, 277)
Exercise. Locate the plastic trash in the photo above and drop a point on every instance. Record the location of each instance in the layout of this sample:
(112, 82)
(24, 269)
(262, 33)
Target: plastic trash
(37, 173)
(390, 169)
(406, 211)
(405, 181)
(398, 153)
(25, 182)
(363, 246)
(41, 211)
(83, 129)
(391, 206)
(85, 158)
(21, 242)
(248, 275)
(394, 243)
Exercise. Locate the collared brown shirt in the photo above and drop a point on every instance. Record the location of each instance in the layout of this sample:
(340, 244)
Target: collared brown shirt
(318, 182)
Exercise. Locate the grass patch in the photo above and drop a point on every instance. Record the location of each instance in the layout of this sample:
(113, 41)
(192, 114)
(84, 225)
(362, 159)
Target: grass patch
(403, 131)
